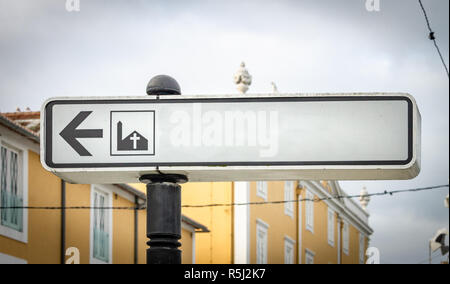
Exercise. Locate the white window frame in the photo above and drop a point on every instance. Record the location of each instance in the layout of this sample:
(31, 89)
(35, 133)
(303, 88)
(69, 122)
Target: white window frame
(22, 151)
(289, 195)
(262, 189)
(309, 256)
(289, 245)
(8, 259)
(330, 226)
(109, 203)
(346, 239)
(309, 211)
(362, 252)
(262, 228)
(242, 241)
(191, 230)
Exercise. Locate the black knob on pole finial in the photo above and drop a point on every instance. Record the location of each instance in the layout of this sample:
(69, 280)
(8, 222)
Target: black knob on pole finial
(163, 85)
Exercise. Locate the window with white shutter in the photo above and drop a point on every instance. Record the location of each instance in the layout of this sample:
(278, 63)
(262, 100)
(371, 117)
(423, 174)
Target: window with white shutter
(11, 193)
(261, 242)
(309, 256)
(345, 234)
(330, 227)
(289, 246)
(261, 189)
(101, 226)
(362, 250)
(309, 208)
(289, 195)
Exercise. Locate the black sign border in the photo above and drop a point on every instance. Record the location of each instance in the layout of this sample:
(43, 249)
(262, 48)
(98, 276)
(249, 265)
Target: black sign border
(49, 115)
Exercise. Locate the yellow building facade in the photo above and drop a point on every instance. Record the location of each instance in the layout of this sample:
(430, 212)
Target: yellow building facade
(261, 227)
(99, 236)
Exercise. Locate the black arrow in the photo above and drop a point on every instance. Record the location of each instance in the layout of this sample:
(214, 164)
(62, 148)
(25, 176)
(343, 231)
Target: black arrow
(70, 133)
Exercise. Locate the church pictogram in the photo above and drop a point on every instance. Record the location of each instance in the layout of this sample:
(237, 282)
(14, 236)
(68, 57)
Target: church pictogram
(133, 142)
(132, 133)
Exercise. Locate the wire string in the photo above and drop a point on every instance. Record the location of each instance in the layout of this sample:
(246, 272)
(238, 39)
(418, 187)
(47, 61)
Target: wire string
(432, 37)
(340, 197)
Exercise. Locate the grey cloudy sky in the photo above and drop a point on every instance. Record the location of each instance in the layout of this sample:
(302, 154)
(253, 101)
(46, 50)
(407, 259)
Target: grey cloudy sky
(114, 47)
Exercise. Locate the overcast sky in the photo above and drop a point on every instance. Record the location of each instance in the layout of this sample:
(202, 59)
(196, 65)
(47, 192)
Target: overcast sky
(113, 47)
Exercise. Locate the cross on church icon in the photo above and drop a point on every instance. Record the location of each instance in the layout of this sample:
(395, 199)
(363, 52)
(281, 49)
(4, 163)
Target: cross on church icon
(132, 133)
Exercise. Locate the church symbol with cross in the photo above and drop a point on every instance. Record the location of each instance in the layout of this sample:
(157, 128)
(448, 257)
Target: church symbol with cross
(133, 142)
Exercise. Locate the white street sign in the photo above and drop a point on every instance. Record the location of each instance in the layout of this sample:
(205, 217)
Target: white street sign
(232, 138)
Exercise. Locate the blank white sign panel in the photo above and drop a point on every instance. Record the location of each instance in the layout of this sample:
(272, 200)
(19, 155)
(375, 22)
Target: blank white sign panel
(251, 131)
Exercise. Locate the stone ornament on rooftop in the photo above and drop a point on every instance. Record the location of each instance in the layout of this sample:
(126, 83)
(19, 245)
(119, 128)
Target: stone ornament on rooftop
(242, 79)
(274, 88)
(364, 199)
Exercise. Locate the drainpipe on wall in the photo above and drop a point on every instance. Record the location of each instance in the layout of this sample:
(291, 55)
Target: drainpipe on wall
(339, 246)
(136, 206)
(63, 221)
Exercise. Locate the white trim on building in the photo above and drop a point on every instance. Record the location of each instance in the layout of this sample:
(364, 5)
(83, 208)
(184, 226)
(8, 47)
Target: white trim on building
(309, 211)
(14, 145)
(262, 241)
(191, 229)
(289, 195)
(346, 237)
(355, 215)
(241, 223)
(330, 226)
(289, 250)
(262, 189)
(103, 191)
(309, 256)
(362, 245)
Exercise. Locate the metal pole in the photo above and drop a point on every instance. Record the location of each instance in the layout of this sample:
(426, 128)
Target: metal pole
(163, 218)
(163, 196)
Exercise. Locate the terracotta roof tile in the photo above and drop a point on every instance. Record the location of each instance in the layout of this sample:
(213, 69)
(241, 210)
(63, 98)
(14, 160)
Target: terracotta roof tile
(29, 120)
(23, 115)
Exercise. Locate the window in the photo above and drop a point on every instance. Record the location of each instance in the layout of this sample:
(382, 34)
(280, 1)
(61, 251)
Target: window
(261, 189)
(11, 190)
(330, 227)
(289, 196)
(289, 245)
(101, 226)
(261, 242)
(309, 208)
(361, 248)
(309, 256)
(345, 234)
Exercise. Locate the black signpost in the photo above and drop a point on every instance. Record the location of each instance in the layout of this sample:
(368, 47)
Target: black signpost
(163, 218)
(163, 197)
